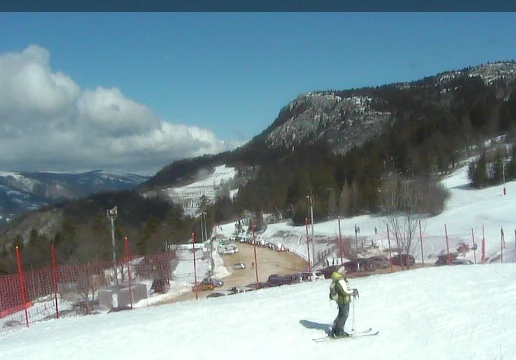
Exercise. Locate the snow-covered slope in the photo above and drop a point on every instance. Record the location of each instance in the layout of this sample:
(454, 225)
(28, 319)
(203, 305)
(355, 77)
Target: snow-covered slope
(209, 185)
(484, 211)
(459, 312)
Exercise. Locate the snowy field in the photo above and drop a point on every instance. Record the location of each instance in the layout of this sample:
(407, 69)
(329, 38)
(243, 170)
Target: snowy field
(448, 312)
(455, 312)
(207, 186)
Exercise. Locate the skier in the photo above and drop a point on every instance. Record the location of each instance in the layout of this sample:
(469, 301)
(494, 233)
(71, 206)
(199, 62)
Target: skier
(342, 295)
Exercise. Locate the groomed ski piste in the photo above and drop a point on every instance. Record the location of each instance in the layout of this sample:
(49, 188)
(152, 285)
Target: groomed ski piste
(446, 312)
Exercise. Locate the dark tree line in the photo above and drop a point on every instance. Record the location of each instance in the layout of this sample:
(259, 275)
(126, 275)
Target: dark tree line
(84, 234)
(493, 167)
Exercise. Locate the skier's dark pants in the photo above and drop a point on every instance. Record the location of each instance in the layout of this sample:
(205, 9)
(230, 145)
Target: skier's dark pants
(340, 320)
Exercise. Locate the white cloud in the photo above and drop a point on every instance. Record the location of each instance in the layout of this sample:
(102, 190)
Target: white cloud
(109, 112)
(47, 122)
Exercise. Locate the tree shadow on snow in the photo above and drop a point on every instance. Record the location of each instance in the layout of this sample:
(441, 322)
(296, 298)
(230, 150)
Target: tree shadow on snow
(314, 325)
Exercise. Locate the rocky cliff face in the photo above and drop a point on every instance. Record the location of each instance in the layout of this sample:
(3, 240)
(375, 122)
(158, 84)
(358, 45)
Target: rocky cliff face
(493, 72)
(346, 121)
(342, 122)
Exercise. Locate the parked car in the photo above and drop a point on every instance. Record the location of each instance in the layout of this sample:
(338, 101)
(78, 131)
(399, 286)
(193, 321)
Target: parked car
(203, 287)
(285, 279)
(462, 262)
(272, 246)
(240, 289)
(406, 260)
(327, 271)
(220, 293)
(229, 252)
(443, 259)
(279, 280)
(381, 262)
(360, 265)
(261, 243)
(238, 266)
(227, 249)
(310, 276)
(213, 281)
(456, 261)
(281, 248)
(260, 285)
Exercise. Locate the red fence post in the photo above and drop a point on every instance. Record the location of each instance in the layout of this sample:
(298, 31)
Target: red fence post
(421, 239)
(22, 285)
(390, 250)
(308, 245)
(54, 276)
(447, 245)
(127, 260)
(195, 268)
(253, 225)
(341, 244)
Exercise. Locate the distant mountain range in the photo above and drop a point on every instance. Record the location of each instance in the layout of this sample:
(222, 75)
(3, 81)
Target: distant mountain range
(24, 191)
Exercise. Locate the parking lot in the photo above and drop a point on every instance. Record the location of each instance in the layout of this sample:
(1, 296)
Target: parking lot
(269, 262)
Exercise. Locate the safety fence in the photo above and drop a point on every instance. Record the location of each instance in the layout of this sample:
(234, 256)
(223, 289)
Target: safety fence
(412, 238)
(57, 291)
(130, 281)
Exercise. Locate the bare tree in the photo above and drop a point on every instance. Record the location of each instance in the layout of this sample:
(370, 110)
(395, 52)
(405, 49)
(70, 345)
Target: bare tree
(403, 203)
(88, 281)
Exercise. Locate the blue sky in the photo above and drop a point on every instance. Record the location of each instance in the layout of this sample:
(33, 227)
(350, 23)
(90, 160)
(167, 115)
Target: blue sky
(232, 73)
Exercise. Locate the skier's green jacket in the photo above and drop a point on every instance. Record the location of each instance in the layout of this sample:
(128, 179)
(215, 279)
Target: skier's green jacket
(341, 286)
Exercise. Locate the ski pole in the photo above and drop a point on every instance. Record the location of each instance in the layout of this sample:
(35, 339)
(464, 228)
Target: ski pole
(353, 323)
(355, 296)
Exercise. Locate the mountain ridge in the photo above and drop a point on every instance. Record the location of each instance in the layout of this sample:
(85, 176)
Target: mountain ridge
(25, 191)
(343, 119)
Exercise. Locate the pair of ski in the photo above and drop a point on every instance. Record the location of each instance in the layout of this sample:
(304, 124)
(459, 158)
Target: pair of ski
(354, 334)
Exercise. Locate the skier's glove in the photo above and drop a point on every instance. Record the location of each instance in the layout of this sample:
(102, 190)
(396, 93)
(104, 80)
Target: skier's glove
(356, 294)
